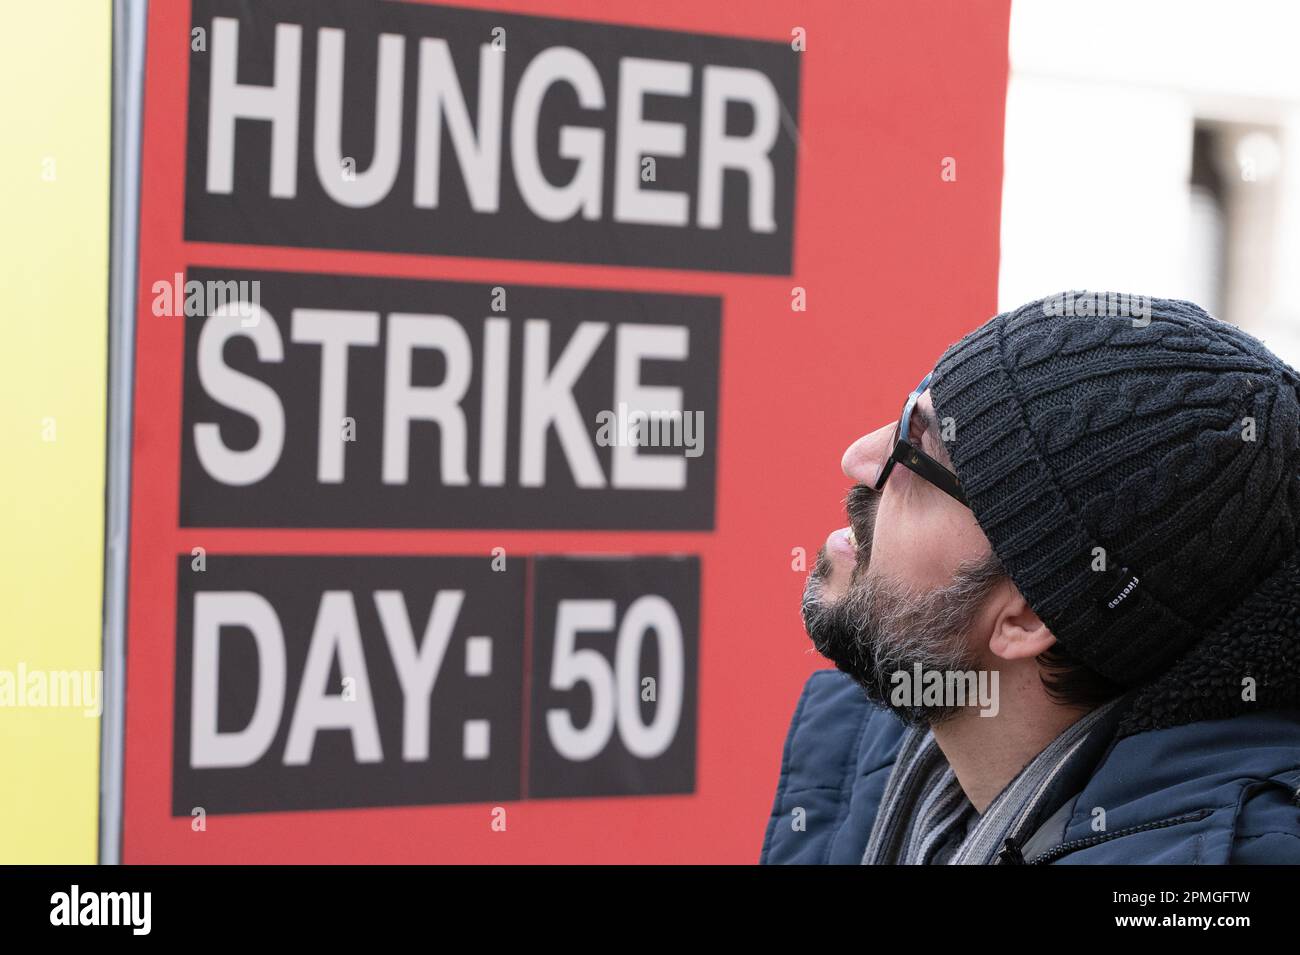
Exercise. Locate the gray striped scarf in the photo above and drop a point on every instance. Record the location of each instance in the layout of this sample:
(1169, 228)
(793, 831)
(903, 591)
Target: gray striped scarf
(926, 819)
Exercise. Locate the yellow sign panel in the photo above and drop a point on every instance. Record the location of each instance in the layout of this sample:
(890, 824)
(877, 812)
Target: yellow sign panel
(55, 66)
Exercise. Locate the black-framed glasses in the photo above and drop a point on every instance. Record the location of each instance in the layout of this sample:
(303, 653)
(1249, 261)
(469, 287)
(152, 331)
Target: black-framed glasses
(912, 457)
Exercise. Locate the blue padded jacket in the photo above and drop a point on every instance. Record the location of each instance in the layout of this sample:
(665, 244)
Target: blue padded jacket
(1205, 792)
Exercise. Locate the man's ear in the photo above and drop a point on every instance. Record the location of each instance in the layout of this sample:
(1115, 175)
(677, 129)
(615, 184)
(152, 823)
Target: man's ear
(1018, 633)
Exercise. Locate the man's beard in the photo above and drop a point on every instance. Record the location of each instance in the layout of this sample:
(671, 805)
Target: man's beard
(877, 629)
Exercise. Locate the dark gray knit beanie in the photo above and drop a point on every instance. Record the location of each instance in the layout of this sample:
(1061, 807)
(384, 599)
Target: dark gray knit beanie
(1136, 469)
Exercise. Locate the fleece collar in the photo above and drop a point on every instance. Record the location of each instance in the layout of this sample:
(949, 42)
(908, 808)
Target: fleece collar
(1249, 662)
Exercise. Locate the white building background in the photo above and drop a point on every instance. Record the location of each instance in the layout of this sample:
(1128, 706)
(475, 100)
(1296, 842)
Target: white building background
(1153, 147)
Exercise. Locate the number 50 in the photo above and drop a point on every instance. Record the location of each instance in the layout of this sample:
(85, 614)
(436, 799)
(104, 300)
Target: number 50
(615, 693)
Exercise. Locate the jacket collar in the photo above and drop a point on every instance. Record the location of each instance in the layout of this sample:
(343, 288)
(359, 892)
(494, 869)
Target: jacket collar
(1249, 662)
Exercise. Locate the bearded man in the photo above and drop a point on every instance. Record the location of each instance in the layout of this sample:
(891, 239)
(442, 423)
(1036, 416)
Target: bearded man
(1101, 514)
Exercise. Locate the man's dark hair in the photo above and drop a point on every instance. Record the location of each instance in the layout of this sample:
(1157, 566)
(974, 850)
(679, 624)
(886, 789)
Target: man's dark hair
(1071, 683)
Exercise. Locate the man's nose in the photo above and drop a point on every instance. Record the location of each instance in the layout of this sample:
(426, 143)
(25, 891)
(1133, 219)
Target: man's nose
(862, 459)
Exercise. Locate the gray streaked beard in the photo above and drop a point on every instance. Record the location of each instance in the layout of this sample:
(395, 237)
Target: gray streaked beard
(876, 629)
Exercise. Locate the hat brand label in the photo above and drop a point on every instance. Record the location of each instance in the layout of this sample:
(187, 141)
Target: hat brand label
(1125, 591)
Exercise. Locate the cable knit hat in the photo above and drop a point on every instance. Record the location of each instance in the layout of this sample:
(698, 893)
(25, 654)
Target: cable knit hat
(1137, 470)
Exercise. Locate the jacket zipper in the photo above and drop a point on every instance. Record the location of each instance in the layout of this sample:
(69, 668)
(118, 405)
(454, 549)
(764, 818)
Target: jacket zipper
(1065, 848)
